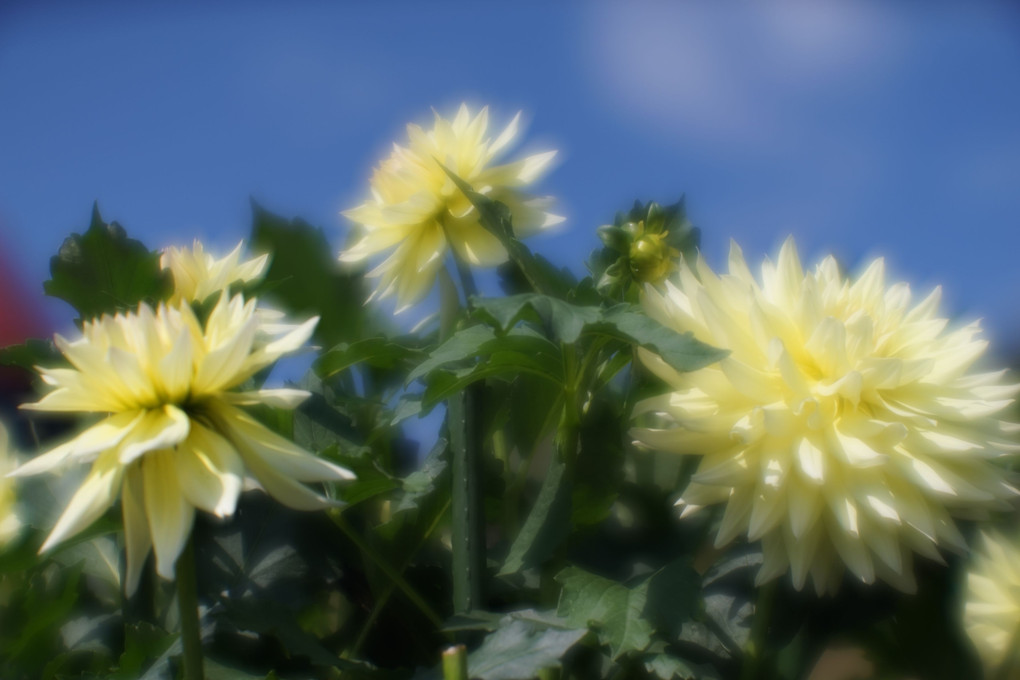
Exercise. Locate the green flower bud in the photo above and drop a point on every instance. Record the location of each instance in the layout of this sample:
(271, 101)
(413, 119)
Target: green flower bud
(651, 258)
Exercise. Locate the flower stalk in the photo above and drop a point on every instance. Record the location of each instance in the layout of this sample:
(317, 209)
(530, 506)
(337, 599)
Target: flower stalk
(455, 663)
(754, 652)
(187, 604)
(466, 515)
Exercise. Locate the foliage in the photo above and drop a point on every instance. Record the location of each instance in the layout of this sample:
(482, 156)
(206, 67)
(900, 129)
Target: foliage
(586, 572)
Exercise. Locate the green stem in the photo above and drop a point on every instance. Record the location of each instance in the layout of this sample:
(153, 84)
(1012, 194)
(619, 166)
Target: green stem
(392, 574)
(187, 604)
(391, 587)
(455, 663)
(755, 650)
(463, 412)
(465, 500)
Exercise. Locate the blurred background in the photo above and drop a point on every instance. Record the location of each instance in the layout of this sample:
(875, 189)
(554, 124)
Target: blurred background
(860, 128)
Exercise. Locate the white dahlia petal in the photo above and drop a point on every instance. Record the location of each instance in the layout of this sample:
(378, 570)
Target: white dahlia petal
(416, 210)
(991, 614)
(164, 377)
(845, 429)
(169, 513)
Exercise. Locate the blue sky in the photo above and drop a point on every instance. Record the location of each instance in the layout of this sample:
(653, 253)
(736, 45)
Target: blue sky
(861, 128)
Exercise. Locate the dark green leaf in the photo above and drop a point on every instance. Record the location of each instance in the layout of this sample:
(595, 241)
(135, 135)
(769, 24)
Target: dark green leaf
(564, 321)
(668, 667)
(611, 608)
(376, 352)
(304, 276)
(673, 595)
(519, 650)
(461, 346)
(421, 483)
(547, 525)
(104, 271)
(143, 642)
(682, 351)
(542, 276)
(31, 354)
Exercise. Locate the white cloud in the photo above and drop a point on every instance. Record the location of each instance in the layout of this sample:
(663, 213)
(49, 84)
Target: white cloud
(738, 75)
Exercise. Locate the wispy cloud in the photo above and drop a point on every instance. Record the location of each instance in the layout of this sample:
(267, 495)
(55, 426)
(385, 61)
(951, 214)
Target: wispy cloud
(736, 76)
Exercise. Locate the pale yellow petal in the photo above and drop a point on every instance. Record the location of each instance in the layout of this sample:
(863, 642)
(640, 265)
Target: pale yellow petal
(92, 499)
(137, 542)
(168, 512)
(209, 471)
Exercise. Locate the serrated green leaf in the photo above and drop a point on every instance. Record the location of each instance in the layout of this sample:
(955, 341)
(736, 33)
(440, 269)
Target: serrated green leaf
(507, 356)
(32, 353)
(104, 271)
(682, 351)
(143, 642)
(615, 611)
(519, 650)
(540, 274)
(673, 595)
(546, 526)
(422, 482)
(564, 321)
(462, 345)
(378, 352)
(668, 667)
(305, 278)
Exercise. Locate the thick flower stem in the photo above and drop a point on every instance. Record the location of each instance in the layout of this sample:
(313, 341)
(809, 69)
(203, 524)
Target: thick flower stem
(455, 663)
(754, 652)
(187, 603)
(466, 513)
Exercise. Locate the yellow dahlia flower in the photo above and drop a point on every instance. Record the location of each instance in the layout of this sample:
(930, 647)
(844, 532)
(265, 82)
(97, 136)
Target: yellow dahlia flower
(991, 614)
(844, 428)
(10, 525)
(416, 209)
(198, 274)
(173, 437)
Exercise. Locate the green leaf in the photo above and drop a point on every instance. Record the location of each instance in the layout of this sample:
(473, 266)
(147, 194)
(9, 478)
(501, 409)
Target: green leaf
(563, 321)
(507, 356)
(682, 351)
(546, 526)
(304, 276)
(142, 643)
(422, 482)
(519, 650)
(668, 667)
(462, 345)
(376, 352)
(540, 274)
(104, 271)
(32, 353)
(269, 618)
(612, 609)
(673, 596)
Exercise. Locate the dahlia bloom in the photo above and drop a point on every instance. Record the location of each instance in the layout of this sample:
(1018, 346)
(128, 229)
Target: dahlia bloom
(845, 428)
(10, 525)
(416, 210)
(174, 436)
(198, 274)
(991, 614)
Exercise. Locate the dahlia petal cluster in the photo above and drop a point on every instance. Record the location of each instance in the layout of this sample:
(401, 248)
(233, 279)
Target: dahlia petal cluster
(198, 274)
(847, 426)
(417, 212)
(174, 435)
(991, 614)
